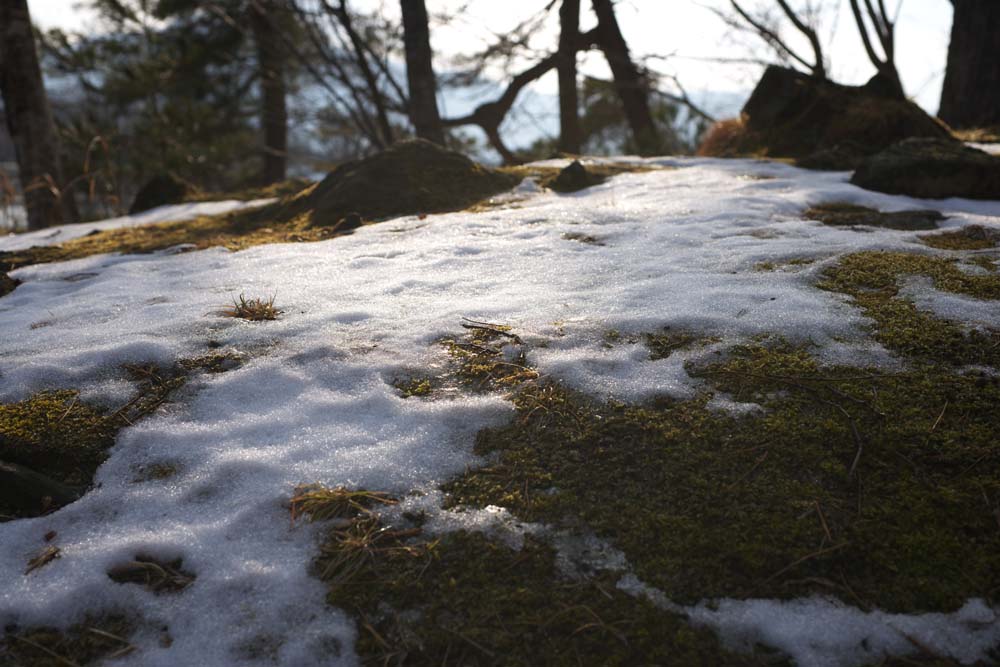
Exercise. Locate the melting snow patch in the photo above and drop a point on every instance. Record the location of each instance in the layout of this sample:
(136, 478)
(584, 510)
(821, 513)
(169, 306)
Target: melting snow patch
(313, 401)
(949, 306)
(825, 633)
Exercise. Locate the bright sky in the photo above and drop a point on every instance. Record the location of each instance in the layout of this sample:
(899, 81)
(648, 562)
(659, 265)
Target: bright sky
(684, 31)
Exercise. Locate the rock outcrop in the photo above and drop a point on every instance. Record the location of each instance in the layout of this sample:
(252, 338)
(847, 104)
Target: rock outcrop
(161, 190)
(931, 169)
(822, 124)
(409, 177)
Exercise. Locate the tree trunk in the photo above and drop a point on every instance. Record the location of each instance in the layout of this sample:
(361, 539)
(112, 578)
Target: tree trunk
(971, 94)
(420, 72)
(273, 94)
(629, 81)
(29, 121)
(570, 134)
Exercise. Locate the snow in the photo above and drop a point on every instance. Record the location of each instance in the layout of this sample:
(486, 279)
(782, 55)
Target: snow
(826, 633)
(991, 148)
(313, 401)
(976, 313)
(173, 213)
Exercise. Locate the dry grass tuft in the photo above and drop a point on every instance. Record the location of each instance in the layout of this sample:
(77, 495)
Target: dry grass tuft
(320, 503)
(255, 309)
(43, 558)
(723, 139)
(357, 547)
(157, 575)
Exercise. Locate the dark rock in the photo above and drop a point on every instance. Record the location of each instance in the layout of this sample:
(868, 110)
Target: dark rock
(7, 284)
(793, 115)
(410, 177)
(575, 177)
(348, 223)
(161, 190)
(32, 492)
(842, 157)
(931, 169)
(848, 215)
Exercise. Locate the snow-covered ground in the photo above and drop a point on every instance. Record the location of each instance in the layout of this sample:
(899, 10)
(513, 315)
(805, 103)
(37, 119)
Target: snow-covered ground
(314, 401)
(173, 213)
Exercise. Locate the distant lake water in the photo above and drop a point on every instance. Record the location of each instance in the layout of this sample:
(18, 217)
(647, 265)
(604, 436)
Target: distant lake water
(12, 218)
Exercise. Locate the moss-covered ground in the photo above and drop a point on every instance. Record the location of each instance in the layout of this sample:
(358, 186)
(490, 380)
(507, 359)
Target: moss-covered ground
(970, 237)
(64, 439)
(465, 599)
(409, 178)
(879, 488)
(872, 280)
(94, 641)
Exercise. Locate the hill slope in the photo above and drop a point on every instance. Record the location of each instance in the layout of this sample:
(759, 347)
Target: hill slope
(620, 423)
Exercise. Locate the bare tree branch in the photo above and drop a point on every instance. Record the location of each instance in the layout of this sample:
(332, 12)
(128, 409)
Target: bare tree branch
(772, 37)
(819, 69)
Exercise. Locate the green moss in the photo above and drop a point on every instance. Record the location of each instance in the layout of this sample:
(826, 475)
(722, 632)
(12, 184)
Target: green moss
(848, 215)
(55, 434)
(707, 505)
(416, 386)
(480, 362)
(872, 280)
(89, 643)
(465, 599)
(971, 237)
(54, 431)
(793, 263)
(991, 264)
(880, 489)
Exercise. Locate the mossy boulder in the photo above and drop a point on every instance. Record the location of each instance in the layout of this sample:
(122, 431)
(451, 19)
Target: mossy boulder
(841, 157)
(575, 177)
(161, 190)
(931, 169)
(410, 177)
(827, 125)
